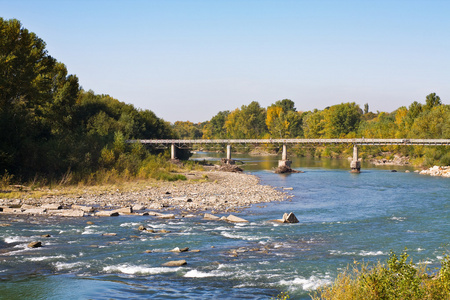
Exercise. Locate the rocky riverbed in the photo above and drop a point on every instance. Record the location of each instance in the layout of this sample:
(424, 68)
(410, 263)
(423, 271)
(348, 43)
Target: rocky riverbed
(212, 191)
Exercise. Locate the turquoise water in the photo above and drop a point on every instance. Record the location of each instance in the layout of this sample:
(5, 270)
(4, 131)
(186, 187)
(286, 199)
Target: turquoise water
(343, 217)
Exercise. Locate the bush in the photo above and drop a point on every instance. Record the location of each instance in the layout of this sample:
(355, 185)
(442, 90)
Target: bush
(398, 279)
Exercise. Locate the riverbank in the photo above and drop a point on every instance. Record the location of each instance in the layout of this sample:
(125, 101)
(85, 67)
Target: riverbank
(213, 191)
(437, 171)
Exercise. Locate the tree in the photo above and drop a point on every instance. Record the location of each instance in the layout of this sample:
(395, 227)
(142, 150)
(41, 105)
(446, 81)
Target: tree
(247, 122)
(342, 119)
(283, 121)
(215, 128)
(432, 101)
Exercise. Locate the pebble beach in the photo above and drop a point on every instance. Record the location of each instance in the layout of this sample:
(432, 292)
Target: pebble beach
(213, 191)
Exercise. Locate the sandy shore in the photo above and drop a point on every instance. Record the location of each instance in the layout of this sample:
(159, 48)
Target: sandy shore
(212, 191)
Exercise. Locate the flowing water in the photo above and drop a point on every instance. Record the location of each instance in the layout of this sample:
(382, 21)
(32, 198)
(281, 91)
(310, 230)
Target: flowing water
(343, 217)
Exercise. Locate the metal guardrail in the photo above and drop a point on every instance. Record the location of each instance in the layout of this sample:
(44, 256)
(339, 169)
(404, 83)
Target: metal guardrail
(359, 141)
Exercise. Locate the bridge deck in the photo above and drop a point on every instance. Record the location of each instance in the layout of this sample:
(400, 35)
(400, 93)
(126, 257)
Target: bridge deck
(362, 141)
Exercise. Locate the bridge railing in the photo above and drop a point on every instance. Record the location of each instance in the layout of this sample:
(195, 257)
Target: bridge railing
(358, 141)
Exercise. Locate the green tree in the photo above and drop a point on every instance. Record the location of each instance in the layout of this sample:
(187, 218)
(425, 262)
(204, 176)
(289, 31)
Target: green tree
(215, 128)
(432, 100)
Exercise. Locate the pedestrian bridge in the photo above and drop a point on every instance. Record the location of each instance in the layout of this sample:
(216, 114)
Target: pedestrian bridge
(355, 164)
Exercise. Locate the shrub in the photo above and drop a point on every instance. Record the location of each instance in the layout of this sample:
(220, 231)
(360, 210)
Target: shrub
(398, 279)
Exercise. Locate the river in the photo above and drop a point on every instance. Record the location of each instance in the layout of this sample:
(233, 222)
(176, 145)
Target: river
(343, 217)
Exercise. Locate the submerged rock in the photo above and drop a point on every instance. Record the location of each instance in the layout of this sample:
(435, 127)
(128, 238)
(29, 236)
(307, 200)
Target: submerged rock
(235, 219)
(175, 263)
(211, 217)
(177, 249)
(287, 218)
(286, 169)
(35, 245)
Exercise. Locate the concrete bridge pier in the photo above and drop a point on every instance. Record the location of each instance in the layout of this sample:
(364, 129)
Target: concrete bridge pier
(284, 162)
(355, 165)
(173, 152)
(228, 160)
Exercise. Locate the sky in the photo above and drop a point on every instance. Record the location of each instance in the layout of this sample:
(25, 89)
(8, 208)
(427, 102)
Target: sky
(188, 60)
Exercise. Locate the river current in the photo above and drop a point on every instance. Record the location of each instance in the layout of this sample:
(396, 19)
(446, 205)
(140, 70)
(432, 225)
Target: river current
(343, 217)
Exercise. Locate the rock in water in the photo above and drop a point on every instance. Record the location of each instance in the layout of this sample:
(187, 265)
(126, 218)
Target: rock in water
(34, 245)
(211, 217)
(290, 218)
(235, 219)
(175, 263)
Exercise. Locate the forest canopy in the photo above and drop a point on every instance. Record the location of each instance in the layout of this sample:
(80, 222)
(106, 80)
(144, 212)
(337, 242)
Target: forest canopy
(50, 126)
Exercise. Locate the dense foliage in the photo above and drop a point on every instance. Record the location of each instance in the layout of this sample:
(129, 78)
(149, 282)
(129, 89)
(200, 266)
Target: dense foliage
(346, 120)
(49, 126)
(397, 279)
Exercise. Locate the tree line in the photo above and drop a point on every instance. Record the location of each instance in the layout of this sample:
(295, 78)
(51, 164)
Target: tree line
(51, 127)
(430, 120)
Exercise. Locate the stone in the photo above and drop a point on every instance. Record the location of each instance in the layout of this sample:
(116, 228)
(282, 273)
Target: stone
(8, 210)
(175, 263)
(176, 249)
(166, 216)
(164, 231)
(148, 251)
(124, 210)
(109, 234)
(290, 218)
(84, 208)
(46, 235)
(90, 223)
(35, 211)
(137, 207)
(141, 228)
(28, 206)
(53, 206)
(287, 218)
(35, 245)
(211, 217)
(235, 219)
(70, 213)
(107, 213)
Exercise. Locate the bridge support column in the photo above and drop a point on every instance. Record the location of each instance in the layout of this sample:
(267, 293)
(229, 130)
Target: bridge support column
(228, 152)
(284, 162)
(173, 152)
(355, 165)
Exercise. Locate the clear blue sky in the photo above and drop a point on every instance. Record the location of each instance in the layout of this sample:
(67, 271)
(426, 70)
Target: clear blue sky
(188, 60)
